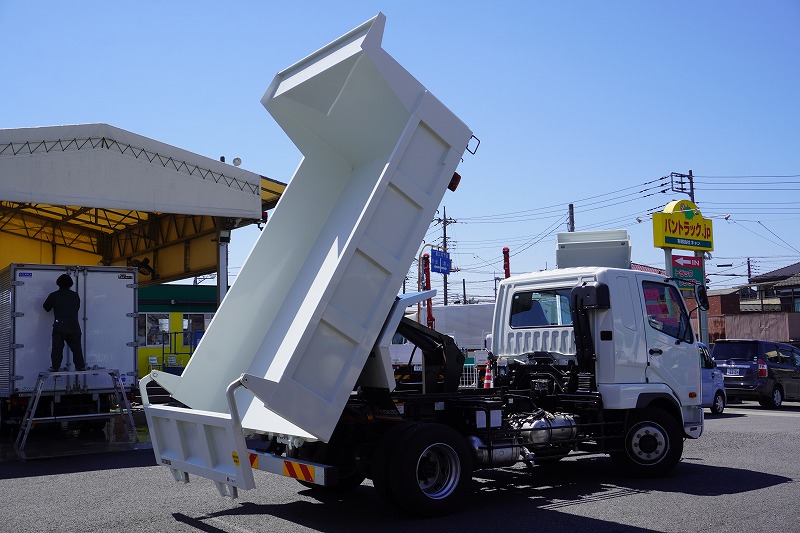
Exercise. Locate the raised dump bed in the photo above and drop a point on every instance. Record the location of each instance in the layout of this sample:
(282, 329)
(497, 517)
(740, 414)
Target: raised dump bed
(379, 151)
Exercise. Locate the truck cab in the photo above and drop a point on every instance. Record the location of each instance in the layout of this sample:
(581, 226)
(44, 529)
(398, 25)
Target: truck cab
(627, 333)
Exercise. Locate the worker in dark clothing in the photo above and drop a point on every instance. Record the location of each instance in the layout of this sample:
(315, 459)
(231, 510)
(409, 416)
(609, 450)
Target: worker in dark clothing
(65, 304)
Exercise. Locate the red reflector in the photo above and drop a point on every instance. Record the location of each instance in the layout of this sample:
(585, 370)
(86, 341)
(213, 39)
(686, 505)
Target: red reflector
(762, 368)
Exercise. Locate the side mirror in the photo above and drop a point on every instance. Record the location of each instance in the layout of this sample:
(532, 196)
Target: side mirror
(701, 297)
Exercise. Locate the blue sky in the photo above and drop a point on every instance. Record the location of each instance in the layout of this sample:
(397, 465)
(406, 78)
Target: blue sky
(580, 102)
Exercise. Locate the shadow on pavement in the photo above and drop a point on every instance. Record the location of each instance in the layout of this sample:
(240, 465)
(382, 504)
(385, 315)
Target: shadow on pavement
(108, 460)
(516, 496)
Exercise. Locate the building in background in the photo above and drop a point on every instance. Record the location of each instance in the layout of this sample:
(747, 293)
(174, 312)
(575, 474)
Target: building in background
(171, 321)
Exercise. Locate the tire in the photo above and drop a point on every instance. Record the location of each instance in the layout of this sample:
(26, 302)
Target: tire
(652, 444)
(718, 405)
(433, 470)
(775, 400)
(339, 454)
(383, 462)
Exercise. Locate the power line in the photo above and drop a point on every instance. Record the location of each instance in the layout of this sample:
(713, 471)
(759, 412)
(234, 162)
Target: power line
(749, 176)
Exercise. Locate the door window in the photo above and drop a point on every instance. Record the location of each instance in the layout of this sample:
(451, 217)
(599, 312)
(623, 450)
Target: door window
(796, 356)
(151, 328)
(785, 354)
(771, 353)
(194, 325)
(665, 310)
(705, 359)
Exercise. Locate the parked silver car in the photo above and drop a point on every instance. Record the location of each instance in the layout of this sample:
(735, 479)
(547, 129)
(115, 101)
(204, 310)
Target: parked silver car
(714, 395)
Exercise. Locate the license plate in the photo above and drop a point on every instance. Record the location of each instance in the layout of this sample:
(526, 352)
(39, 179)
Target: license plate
(732, 372)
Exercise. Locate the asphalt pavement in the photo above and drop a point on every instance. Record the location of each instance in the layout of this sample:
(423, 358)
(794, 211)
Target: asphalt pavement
(739, 476)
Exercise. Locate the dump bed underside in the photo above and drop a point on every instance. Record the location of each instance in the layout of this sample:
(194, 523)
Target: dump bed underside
(308, 305)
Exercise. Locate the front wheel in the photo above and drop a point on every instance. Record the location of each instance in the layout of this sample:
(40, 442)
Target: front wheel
(652, 444)
(719, 403)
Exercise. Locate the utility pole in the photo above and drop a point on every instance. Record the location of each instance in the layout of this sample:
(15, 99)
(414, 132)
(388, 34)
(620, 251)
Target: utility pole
(680, 186)
(571, 223)
(445, 222)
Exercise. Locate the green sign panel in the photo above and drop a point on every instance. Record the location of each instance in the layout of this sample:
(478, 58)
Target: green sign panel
(688, 268)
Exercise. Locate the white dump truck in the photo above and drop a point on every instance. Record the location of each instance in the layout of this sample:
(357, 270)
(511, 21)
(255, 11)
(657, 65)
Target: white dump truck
(294, 375)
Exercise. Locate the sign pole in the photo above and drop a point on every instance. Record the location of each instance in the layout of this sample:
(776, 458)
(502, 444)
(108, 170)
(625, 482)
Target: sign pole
(702, 316)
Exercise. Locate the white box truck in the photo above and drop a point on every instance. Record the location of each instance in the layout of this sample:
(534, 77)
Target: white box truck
(108, 324)
(294, 375)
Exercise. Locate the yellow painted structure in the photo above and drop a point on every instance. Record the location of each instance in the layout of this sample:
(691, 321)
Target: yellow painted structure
(681, 225)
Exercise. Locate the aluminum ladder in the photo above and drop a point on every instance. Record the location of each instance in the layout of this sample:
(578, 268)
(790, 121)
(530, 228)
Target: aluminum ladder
(29, 419)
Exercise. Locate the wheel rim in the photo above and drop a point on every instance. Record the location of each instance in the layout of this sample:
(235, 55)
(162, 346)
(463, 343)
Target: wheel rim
(438, 471)
(648, 443)
(719, 403)
(777, 397)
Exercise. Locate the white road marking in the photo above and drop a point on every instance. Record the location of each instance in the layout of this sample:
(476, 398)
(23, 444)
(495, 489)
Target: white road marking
(758, 412)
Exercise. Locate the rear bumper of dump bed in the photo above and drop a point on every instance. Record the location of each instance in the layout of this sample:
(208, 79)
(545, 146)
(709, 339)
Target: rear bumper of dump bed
(213, 446)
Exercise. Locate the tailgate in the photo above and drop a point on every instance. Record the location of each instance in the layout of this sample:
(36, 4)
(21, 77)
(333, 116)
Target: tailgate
(738, 369)
(204, 443)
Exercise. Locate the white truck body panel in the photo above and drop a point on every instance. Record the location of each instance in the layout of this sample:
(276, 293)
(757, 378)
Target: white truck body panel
(308, 305)
(467, 324)
(609, 248)
(108, 324)
(625, 361)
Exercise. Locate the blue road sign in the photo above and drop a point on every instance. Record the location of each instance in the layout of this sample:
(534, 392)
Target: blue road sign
(440, 262)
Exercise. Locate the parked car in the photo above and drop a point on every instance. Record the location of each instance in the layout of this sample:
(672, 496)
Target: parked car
(715, 397)
(759, 370)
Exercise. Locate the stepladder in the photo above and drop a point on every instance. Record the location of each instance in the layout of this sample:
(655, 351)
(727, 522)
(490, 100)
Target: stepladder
(56, 408)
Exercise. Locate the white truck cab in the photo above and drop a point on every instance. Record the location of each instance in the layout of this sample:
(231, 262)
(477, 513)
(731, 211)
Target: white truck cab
(636, 343)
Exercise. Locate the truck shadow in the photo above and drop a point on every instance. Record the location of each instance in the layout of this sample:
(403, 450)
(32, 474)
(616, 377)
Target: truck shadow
(519, 495)
(89, 459)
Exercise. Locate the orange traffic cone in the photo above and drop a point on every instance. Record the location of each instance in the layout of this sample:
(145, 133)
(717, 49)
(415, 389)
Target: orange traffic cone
(488, 381)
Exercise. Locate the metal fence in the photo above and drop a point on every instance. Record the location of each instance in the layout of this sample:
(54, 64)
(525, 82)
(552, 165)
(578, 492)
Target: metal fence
(469, 377)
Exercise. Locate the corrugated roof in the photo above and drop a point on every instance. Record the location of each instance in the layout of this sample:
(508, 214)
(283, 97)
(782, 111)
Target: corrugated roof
(791, 281)
(723, 292)
(647, 268)
(101, 166)
(101, 193)
(776, 275)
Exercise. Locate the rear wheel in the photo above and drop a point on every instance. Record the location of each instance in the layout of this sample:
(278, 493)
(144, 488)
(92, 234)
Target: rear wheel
(652, 444)
(383, 461)
(773, 401)
(719, 403)
(428, 471)
(339, 452)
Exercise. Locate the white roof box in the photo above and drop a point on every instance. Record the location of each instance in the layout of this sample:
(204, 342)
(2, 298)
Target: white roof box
(608, 248)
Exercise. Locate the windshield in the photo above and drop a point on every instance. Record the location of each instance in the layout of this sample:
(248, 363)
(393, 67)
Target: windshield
(741, 351)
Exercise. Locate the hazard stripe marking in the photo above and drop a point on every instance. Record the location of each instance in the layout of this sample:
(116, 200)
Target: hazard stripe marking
(254, 461)
(298, 471)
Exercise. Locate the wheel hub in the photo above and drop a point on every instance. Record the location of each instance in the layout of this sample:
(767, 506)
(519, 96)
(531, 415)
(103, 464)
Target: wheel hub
(648, 443)
(438, 471)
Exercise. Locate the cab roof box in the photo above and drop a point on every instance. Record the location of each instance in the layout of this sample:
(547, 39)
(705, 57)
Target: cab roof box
(609, 248)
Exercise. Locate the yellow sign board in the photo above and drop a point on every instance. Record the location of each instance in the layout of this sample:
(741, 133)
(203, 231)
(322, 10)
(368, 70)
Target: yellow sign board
(682, 226)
